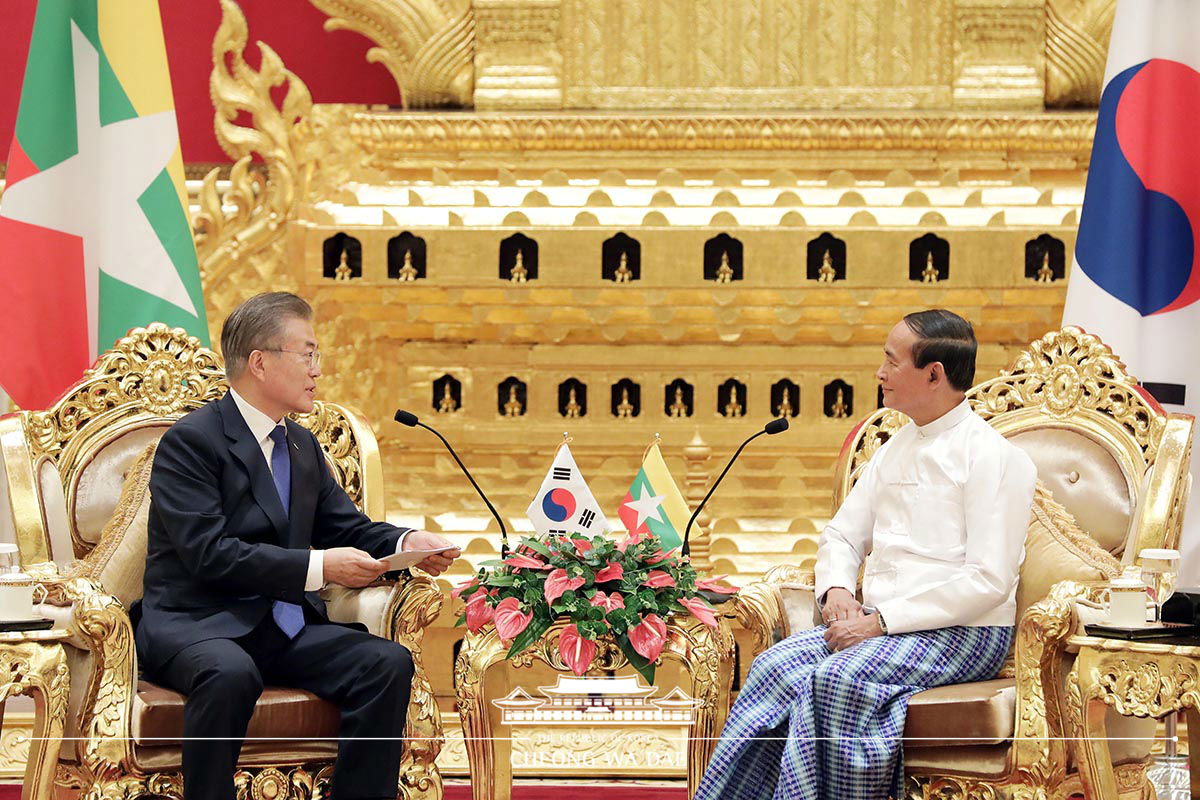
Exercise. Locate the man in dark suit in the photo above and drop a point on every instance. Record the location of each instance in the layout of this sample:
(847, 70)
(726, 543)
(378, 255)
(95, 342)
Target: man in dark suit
(246, 522)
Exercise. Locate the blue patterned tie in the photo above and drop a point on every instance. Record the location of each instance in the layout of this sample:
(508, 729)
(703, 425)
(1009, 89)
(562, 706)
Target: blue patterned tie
(288, 616)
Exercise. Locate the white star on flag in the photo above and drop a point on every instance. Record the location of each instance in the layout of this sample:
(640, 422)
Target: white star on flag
(647, 507)
(116, 162)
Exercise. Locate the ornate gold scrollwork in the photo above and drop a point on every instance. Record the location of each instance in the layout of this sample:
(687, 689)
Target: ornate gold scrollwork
(427, 45)
(412, 607)
(706, 654)
(250, 235)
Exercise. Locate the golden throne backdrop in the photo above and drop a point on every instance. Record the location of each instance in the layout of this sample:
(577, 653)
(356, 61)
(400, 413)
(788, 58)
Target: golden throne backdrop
(618, 218)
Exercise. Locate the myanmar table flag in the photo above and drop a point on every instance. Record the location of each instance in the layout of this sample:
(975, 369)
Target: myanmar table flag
(653, 503)
(94, 230)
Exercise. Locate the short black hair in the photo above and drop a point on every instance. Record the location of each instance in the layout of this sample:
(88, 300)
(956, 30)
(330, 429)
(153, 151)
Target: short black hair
(946, 337)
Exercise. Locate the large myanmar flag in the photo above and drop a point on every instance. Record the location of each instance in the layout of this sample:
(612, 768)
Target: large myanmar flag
(1136, 278)
(653, 503)
(94, 232)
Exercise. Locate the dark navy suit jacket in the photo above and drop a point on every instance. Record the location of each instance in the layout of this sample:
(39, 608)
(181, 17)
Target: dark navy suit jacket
(220, 548)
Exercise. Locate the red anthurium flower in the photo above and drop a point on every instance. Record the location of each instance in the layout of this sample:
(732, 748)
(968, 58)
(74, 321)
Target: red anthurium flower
(657, 579)
(608, 602)
(655, 557)
(649, 636)
(526, 562)
(479, 613)
(557, 582)
(509, 619)
(459, 591)
(613, 572)
(700, 610)
(581, 546)
(576, 651)
(710, 584)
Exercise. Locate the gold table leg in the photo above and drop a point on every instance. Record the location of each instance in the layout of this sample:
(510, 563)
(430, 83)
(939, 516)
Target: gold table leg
(1088, 712)
(38, 669)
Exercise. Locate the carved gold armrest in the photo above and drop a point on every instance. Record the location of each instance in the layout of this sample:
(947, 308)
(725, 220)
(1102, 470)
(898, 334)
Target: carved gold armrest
(99, 623)
(760, 605)
(1040, 754)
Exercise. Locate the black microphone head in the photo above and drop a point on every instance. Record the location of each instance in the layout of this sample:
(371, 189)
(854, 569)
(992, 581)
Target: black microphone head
(776, 426)
(406, 417)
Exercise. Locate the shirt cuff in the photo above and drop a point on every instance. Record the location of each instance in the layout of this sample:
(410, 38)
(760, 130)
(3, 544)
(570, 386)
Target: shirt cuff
(316, 571)
(400, 541)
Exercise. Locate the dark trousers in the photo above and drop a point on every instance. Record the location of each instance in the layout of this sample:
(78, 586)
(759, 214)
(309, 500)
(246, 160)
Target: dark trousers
(369, 678)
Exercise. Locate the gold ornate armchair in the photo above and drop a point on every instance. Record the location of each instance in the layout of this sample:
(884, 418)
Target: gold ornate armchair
(1118, 465)
(78, 477)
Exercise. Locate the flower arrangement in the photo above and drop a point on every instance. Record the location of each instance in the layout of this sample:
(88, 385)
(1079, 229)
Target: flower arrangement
(621, 589)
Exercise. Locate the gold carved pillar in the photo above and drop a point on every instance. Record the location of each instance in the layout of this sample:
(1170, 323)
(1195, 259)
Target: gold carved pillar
(518, 63)
(696, 455)
(999, 55)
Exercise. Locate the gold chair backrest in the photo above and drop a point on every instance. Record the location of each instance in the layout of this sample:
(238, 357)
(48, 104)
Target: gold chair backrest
(66, 464)
(1108, 452)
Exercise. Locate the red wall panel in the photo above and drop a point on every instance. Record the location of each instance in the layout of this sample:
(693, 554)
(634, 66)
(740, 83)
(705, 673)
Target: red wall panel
(332, 64)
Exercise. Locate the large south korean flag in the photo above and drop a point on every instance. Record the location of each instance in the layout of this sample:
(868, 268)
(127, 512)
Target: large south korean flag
(564, 504)
(1136, 276)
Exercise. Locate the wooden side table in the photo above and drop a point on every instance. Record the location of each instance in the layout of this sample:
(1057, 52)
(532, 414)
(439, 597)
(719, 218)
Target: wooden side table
(1141, 679)
(34, 663)
(706, 654)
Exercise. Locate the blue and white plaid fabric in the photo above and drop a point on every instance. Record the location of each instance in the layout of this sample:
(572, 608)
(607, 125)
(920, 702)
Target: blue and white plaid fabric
(813, 725)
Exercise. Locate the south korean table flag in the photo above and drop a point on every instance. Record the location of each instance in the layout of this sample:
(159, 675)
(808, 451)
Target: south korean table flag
(564, 504)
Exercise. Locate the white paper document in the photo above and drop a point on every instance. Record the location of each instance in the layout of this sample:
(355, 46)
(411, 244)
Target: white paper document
(407, 558)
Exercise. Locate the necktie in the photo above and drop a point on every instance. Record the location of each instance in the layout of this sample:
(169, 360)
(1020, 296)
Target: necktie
(288, 616)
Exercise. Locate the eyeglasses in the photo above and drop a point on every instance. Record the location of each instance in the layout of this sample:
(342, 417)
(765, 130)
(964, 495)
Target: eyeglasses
(313, 357)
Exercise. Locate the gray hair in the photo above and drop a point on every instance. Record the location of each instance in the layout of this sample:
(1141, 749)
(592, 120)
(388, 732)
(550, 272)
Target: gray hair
(257, 324)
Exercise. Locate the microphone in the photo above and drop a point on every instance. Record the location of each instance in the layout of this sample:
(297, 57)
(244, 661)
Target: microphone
(410, 419)
(770, 429)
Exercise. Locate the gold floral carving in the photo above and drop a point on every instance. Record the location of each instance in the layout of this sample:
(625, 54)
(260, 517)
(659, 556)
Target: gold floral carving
(390, 135)
(427, 45)
(38, 669)
(410, 610)
(241, 249)
(1077, 33)
(706, 654)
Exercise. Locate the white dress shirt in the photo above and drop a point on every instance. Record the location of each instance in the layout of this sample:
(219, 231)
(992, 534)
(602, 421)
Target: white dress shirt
(260, 426)
(942, 511)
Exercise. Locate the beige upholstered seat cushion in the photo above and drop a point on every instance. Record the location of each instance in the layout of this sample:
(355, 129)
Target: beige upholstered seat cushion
(1057, 550)
(962, 714)
(118, 561)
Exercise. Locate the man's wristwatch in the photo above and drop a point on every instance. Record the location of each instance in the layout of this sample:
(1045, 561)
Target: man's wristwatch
(882, 622)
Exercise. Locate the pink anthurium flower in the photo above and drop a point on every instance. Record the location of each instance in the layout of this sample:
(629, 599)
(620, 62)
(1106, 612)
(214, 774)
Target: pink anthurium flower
(649, 636)
(576, 651)
(613, 572)
(557, 582)
(657, 579)
(509, 619)
(479, 613)
(700, 610)
(459, 591)
(608, 602)
(710, 584)
(581, 546)
(657, 556)
(521, 561)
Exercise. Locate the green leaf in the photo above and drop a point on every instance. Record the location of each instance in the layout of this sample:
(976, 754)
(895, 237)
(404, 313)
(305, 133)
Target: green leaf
(462, 620)
(537, 546)
(645, 668)
(500, 580)
(527, 637)
(492, 562)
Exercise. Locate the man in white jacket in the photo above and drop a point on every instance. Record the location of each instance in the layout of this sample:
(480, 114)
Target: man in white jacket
(939, 517)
